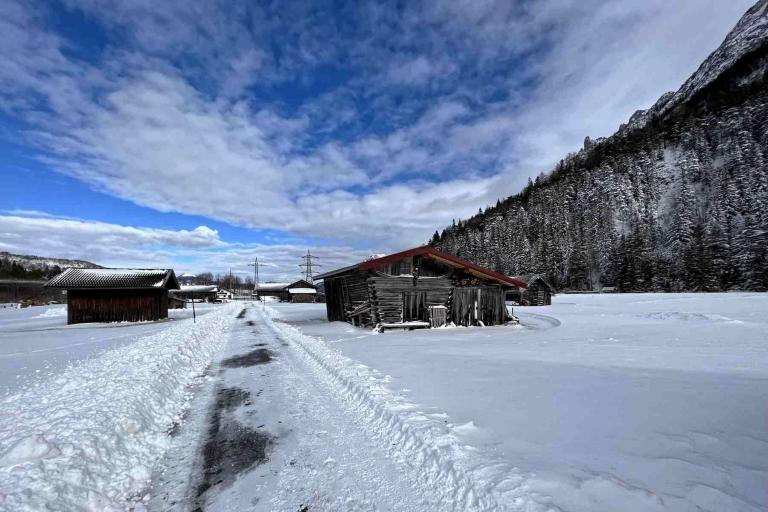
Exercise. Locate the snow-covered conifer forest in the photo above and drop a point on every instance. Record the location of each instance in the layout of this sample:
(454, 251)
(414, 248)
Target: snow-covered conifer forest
(676, 199)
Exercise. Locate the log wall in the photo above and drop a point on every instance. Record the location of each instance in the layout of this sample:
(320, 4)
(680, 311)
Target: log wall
(390, 294)
(376, 298)
(474, 304)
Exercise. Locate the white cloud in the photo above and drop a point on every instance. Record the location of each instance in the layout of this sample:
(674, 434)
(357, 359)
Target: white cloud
(513, 87)
(197, 250)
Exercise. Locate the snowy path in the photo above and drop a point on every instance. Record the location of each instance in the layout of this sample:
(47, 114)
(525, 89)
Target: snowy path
(331, 442)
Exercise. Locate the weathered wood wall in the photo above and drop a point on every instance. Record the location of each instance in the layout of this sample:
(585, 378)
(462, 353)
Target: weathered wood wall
(390, 294)
(368, 299)
(475, 304)
(537, 294)
(116, 305)
(303, 298)
(334, 299)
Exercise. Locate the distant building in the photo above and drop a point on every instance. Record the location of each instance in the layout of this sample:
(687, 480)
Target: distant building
(224, 295)
(538, 293)
(115, 294)
(176, 303)
(197, 292)
(187, 279)
(421, 287)
(297, 291)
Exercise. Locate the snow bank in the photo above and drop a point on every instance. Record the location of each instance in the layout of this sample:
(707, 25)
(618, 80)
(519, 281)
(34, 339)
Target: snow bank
(458, 477)
(89, 437)
(54, 312)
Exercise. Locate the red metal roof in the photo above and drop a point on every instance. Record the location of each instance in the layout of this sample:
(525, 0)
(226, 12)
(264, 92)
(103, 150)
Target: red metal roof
(433, 253)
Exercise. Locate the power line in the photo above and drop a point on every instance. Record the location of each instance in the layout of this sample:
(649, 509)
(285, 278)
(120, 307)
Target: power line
(308, 266)
(256, 266)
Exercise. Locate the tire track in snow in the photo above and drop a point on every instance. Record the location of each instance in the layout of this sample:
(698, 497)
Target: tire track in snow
(456, 476)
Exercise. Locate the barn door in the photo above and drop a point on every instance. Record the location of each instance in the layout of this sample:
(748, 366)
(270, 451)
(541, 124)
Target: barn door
(414, 306)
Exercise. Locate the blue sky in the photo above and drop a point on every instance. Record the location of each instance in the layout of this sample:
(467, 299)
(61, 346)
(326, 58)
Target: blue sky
(201, 135)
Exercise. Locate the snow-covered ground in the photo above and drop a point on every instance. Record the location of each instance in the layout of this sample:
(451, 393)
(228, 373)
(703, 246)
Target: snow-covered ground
(36, 342)
(636, 402)
(86, 435)
(597, 403)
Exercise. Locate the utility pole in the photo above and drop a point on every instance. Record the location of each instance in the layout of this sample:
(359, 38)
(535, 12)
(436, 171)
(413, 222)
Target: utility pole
(307, 265)
(255, 266)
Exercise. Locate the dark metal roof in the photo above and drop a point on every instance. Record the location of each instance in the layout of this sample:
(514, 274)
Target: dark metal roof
(530, 278)
(336, 272)
(431, 252)
(107, 278)
(302, 283)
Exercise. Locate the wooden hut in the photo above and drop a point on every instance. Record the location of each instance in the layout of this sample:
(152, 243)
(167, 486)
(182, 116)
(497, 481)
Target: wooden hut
(421, 287)
(196, 292)
(176, 302)
(115, 294)
(302, 291)
(297, 291)
(538, 293)
(276, 290)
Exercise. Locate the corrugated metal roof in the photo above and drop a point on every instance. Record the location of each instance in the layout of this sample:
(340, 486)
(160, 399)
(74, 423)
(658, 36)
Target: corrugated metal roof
(272, 287)
(199, 288)
(530, 278)
(302, 290)
(115, 278)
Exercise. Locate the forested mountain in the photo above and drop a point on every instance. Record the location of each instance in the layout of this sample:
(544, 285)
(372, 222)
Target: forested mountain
(677, 199)
(17, 266)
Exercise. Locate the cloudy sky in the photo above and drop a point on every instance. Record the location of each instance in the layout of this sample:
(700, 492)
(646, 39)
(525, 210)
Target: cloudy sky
(200, 135)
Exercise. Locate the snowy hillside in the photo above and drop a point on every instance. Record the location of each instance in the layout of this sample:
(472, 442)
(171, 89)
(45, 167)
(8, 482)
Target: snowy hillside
(676, 200)
(39, 262)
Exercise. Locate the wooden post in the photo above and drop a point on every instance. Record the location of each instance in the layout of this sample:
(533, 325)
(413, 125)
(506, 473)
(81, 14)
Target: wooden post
(194, 319)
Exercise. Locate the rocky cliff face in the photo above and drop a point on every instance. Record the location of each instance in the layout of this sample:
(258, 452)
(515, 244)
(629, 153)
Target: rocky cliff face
(677, 199)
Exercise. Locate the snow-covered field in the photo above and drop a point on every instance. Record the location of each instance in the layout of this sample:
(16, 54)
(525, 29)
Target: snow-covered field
(599, 402)
(36, 342)
(85, 433)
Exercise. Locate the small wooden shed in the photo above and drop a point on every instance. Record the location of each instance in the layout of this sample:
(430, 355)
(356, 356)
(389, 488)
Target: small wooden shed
(115, 294)
(196, 292)
(538, 293)
(297, 291)
(421, 287)
(302, 291)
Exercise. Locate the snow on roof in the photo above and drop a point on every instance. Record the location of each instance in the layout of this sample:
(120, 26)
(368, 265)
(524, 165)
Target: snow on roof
(187, 274)
(199, 288)
(530, 278)
(302, 290)
(115, 278)
(272, 287)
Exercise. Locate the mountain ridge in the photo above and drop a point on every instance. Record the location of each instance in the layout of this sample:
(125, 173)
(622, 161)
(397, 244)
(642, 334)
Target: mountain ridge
(678, 192)
(31, 262)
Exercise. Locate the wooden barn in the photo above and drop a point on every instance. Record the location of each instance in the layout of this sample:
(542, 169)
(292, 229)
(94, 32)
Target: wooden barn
(176, 302)
(196, 292)
(538, 293)
(421, 287)
(115, 294)
(297, 291)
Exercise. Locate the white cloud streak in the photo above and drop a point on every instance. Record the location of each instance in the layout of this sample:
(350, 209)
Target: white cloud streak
(138, 124)
(197, 250)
